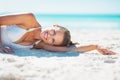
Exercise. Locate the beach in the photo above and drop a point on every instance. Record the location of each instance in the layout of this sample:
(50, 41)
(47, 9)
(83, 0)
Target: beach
(83, 66)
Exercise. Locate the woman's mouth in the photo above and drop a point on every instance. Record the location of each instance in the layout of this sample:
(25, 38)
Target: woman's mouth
(45, 35)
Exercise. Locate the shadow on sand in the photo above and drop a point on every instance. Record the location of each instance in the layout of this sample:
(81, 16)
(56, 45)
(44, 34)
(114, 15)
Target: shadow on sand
(42, 53)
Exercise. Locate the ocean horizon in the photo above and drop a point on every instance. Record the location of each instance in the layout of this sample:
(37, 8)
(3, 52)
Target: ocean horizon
(79, 21)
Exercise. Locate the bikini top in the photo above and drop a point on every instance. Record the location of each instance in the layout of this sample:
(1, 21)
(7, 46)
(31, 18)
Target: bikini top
(12, 33)
(15, 32)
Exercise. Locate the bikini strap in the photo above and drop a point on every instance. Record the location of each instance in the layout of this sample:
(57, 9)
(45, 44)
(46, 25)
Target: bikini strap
(30, 29)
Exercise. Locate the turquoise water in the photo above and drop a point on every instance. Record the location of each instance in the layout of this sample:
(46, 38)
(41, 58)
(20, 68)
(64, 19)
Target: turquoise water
(76, 21)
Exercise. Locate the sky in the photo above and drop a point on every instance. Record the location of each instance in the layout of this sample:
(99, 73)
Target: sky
(62, 6)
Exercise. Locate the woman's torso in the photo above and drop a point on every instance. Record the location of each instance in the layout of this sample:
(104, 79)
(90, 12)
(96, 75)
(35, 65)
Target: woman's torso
(13, 33)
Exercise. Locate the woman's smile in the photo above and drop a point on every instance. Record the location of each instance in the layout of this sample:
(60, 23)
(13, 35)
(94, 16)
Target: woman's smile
(46, 35)
(52, 36)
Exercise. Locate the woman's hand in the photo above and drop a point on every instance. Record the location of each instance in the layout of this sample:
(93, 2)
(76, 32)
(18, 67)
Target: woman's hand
(105, 51)
(94, 47)
(6, 49)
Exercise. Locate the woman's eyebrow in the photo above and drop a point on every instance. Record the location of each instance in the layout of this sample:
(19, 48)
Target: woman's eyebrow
(53, 41)
(54, 32)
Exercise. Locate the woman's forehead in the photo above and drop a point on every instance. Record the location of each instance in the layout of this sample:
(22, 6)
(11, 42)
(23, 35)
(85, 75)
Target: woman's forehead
(56, 28)
(58, 37)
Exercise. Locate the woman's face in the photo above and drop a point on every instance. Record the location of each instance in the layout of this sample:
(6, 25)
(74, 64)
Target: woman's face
(52, 36)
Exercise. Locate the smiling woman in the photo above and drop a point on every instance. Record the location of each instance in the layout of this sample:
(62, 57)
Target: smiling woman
(57, 35)
(55, 39)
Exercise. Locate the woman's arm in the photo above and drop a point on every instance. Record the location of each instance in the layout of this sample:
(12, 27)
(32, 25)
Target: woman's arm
(42, 45)
(23, 20)
(93, 47)
(81, 49)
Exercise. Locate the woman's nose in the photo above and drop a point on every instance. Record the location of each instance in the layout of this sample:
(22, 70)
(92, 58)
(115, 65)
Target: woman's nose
(50, 35)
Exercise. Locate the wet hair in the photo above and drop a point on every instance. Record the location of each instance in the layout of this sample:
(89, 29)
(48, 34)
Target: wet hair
(67, 37)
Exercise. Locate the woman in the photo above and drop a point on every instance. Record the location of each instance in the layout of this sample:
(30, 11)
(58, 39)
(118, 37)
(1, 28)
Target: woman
(55, 39)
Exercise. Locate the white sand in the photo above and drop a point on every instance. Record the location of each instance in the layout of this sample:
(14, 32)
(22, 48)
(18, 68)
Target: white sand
(88, 66)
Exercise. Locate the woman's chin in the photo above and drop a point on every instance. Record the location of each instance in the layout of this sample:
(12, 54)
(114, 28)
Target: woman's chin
(42, 35)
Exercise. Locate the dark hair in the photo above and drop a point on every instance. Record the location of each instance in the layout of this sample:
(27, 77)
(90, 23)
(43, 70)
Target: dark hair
(67, 37)
(66, 40)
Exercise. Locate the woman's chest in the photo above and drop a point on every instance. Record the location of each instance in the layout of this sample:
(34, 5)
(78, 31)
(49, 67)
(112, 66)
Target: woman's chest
(31, 36)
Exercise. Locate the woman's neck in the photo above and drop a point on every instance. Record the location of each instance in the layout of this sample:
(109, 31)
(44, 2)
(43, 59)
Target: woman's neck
(37, 34)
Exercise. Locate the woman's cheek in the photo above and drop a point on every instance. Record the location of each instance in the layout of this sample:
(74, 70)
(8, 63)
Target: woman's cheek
(49, 41)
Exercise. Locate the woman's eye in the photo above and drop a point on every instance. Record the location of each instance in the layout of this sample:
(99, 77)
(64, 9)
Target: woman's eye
(53, 41)
(53, 32)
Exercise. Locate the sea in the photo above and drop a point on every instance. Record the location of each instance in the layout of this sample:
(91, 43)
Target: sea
(70, 21)
(80, 21)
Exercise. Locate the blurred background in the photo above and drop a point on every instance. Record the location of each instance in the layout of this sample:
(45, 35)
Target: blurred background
(73, 14)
